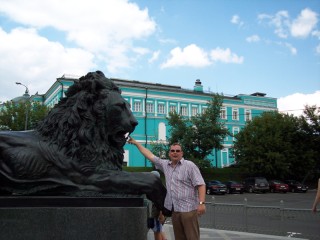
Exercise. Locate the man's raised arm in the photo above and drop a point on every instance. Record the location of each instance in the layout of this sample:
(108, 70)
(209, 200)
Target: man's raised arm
(145, 152)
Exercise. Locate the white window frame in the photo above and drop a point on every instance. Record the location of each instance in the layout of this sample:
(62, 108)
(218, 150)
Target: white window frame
(137, 106)
(172, 108)
(194, 111)
(227, 136)
(161, 108)
(203, 110)
(235, 130)
(150, 107)
(235, 113)
(184, 110)
(248, 116)
(223, 113)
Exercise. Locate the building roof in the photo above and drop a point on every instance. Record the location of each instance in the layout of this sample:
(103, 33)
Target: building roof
(25, 97)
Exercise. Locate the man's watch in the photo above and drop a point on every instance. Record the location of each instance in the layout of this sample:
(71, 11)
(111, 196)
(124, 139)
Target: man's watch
(201, 203)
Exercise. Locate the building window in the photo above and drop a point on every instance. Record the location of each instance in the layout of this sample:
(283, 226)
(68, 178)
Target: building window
(248, 115)
(184, 111)
(203, 110)
(173, 108)
(137, 106)
(161, 108)
(162, 131)
(227, 136)
(150, 108)
(223, 113)
(235, 114)
(194, 111)
(235, 131)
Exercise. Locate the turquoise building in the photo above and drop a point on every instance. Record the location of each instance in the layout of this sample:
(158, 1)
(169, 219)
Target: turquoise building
(152, 102)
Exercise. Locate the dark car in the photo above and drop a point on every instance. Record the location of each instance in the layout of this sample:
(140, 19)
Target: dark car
(295, 186)
(278, 186)
(256, 184)
(215, 187)
(234, 187)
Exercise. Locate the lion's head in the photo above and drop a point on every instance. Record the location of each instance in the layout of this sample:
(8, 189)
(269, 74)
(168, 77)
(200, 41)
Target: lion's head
(89, 125)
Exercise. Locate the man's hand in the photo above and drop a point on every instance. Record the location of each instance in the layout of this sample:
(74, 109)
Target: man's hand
(161, 218)
(131, 140)
(201, 209)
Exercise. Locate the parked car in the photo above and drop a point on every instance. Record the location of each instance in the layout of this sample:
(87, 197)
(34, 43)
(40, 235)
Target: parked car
(215, 187)
(256, 184)
(234, 187)
(278, 186)
(295, 186)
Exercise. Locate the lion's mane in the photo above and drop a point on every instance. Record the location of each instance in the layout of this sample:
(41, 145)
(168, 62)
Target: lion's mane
(78, 124)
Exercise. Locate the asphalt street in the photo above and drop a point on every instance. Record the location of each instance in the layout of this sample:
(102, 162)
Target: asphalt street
(263, 214)
(290, 200)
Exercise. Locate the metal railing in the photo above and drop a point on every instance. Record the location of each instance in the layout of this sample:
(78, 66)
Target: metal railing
(271, 220)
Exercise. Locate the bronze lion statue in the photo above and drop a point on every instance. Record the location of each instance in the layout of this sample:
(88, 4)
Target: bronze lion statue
(77, 148)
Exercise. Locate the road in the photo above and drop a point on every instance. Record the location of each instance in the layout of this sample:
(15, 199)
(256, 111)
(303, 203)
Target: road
(290, 200)
(296, 218)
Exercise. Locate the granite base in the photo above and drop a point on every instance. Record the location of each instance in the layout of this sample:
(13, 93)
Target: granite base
(65, 218)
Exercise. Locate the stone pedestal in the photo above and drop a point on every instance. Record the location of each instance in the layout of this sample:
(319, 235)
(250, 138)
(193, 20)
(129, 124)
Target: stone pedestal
(72, 218)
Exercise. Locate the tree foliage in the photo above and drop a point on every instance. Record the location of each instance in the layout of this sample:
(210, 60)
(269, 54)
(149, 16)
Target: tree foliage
(200, 134)
(14, 116)
(277, 145)
(310, 130)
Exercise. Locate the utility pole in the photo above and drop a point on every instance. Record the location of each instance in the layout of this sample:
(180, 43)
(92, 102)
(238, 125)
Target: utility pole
(26, 94)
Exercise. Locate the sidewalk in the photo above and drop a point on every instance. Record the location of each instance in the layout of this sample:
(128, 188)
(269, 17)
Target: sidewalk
(206, 234)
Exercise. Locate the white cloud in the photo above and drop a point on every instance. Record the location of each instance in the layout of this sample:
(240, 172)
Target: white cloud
(316, 33)
(318, 49)
(236, 20)
(289, 46)
(253, 38)
(155, 56)
(263, 16)
(191, 55)
(168, 41)
(27, 57)
(194, 56)
(96, 26)
(295, 103)
(303, 25)
(140, 50)
(281, 22)
(292, 49)
(225, 55)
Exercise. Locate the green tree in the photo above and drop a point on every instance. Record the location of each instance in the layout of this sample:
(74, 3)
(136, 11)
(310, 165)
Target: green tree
(200, 134)
(160, 149)
(310, 131)
(272, 145)
(13, 116)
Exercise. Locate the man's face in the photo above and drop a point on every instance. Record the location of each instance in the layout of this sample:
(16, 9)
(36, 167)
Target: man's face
(175, 153)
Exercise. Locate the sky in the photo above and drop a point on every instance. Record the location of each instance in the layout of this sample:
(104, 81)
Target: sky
(234, 47)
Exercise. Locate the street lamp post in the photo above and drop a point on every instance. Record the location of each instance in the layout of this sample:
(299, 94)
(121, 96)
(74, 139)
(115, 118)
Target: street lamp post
(27, 95)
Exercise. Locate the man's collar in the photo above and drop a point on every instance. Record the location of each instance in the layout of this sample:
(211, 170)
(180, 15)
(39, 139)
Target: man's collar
(180, 161)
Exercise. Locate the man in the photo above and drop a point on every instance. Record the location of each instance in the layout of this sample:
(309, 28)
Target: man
(185, 190)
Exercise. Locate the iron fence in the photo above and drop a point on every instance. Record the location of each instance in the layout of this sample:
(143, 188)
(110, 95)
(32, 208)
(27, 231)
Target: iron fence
(271, 220)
